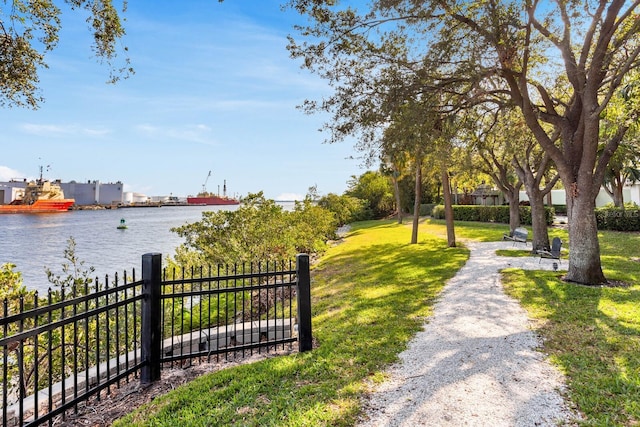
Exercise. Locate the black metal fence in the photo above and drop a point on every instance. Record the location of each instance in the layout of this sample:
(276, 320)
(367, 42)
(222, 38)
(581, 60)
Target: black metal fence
(63, 349)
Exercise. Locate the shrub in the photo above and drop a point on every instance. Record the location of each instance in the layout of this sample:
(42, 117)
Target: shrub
(610, 218)
(438, 212)
(560, 209)
(427, 209)
(259, 230)
(347, 209)
(499, 214)
(376, 189)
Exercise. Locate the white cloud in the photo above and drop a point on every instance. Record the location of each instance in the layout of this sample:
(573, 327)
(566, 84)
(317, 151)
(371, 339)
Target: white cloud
(199, 133)
(46, 130)
(149, 129)
(7, 174)
(289, 196)
(62, 130)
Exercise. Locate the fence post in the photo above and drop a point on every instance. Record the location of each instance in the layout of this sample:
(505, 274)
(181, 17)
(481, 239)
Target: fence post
(150, 334)
(304, 303)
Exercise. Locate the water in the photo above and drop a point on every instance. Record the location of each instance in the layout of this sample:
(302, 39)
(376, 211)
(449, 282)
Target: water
(33, 242)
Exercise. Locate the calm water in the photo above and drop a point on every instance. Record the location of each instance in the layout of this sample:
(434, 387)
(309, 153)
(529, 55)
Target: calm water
(32, 242)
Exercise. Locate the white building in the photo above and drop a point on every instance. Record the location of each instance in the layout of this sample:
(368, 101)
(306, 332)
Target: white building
(10, 191)
(631, 194)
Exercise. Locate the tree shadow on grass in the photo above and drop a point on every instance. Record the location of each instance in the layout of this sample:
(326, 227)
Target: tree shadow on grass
(594, 335)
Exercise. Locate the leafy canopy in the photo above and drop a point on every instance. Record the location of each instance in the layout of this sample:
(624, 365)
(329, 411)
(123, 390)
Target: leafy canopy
(29, 29)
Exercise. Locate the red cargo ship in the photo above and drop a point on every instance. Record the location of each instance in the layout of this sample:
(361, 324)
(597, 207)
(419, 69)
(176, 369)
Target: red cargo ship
(205, 198)
(210, 199)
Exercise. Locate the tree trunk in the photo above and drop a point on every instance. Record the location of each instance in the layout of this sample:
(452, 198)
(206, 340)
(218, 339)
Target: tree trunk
(396, 189)
(416, 203)
(448, 208)
(584, 247)
(514, 215)
(512, 193)
(618, 197)
(540, 239)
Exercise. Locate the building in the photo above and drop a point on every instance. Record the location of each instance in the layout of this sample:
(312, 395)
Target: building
(89, 193)
(94, 192)
(9, 191)
(631, 194)
(486, 195)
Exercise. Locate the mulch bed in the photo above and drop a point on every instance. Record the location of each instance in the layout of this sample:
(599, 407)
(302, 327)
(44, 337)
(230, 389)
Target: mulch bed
(120, 401)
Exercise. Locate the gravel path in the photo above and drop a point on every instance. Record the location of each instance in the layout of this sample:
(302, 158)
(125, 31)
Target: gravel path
(476, 362)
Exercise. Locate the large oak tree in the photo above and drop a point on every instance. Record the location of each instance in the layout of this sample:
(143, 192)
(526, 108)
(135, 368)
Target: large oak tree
(518, 52)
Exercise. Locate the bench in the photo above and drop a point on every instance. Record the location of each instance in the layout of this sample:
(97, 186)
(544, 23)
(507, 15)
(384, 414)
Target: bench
(520, 234)
(554, 252)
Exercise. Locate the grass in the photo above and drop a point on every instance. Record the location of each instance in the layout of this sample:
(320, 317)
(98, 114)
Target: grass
(514, 252)
(370, 296)
(592, 333)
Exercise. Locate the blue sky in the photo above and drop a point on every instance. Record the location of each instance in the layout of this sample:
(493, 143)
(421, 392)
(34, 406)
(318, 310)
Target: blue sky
(214, 90)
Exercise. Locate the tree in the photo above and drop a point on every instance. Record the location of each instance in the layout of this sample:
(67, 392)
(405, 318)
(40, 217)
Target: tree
(346, 209)
(406, 137)
(532, 166)
(259, 230)
(512, 158)
(496, 142)
(623, 168)
(391, 165)
(376, 189)
(502, 52)
(30, 29)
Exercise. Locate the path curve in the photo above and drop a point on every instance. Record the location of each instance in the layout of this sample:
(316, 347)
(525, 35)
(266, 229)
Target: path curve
(476, 363)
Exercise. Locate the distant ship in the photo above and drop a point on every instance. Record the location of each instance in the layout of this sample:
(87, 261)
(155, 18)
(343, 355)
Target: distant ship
(205, 198)
(211, 199)
(40, 196)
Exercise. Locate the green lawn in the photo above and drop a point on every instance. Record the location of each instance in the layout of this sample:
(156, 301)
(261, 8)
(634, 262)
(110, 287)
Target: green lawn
(592, 334)
(370, 296)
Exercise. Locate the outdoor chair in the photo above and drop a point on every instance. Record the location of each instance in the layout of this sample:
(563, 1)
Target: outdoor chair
(554, 252)
(520, 234)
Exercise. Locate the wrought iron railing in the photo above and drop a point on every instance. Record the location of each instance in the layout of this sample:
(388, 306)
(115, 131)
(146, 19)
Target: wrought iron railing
(65, 348)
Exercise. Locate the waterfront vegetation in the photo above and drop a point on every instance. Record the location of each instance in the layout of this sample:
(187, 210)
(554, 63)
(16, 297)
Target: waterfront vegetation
(65, 349)
(370, 296)
(259, 230)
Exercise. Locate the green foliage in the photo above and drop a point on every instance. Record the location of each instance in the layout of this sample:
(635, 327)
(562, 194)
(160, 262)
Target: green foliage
(347, 209)
(498, 214)
(376, 189)
(370, 296)
(427, 209)
(75, 277)
(69, 347)
(11, 286)
(593, 334)
(609, 218)
(311, 227)
(30, 29)
(259, 230)
(560, 209)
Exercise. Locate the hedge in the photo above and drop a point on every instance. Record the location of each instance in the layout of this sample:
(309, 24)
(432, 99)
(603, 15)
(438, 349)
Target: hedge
(617, 219)
(426, 209)
(490, 213)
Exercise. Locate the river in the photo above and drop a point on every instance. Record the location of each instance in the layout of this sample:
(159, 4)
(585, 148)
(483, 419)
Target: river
(33, 242)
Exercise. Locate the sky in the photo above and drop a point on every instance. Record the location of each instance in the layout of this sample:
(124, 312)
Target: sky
(214, 90)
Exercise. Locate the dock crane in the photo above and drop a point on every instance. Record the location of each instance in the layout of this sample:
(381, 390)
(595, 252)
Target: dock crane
(204, 186)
